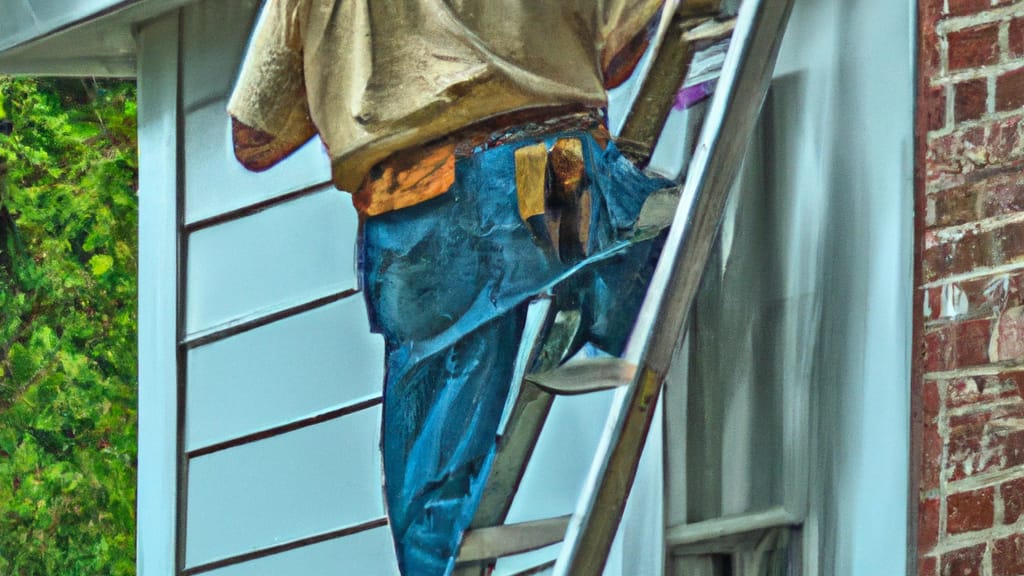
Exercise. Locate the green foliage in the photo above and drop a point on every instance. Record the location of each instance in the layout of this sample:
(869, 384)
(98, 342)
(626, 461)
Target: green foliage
(68, 255)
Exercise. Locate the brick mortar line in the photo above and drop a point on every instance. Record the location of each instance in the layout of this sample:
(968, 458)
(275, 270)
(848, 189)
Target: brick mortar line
(999, 508)
(993, 369)
(1004, 41)
(980, 408)
(957, 232)
(984, 536)
(953, 78)
(953, 320)
(950, 88)
(944, 321)
(983, 122)
(986, 561)
(976, 274)
(994, 14)
(981, 175)
(954, 542)
(1010, 166)
(986, 480)
(949, 123)
(991, 87)
(942, 428)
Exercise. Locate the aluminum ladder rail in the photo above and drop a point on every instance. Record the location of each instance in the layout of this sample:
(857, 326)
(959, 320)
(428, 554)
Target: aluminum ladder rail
(588, 533)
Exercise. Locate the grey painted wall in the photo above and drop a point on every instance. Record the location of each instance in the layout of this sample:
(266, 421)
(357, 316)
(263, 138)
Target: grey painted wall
(796, 388)
(852, 63)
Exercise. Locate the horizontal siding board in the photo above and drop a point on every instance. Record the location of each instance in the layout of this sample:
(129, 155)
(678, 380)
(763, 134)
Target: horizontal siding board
(217, 183)
(284, 488)
(282, 372)
(284, 256)
(368, 553)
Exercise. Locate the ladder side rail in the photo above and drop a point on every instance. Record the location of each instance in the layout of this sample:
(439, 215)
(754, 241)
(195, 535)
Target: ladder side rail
(733, 113)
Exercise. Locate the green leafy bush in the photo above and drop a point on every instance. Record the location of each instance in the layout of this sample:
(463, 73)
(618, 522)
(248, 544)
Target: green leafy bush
(68, 251)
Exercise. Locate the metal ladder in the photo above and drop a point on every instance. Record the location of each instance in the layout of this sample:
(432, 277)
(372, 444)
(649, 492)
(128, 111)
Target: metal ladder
(638, 376)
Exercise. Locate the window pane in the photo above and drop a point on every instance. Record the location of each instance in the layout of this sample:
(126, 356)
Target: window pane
(754, 328)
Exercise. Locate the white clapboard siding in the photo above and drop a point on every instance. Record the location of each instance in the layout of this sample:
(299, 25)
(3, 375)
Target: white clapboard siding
(311, 481)
(292, 253)
(358, 554)
(281, 375)
(216, 183)
(214, 41)
(282, 372)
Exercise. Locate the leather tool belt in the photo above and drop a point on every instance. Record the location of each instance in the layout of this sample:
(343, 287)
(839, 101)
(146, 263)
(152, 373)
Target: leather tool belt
(413, 176)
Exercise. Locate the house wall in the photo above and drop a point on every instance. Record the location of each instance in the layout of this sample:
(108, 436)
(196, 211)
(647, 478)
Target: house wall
(969, 306)
(843, 116)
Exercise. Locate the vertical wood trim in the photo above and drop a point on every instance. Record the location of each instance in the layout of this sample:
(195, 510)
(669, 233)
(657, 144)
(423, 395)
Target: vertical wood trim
(181, 272)
(920, 207)
(674, 443)
(159, 451)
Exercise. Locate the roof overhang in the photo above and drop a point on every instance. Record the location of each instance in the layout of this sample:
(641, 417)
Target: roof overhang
(74, 37)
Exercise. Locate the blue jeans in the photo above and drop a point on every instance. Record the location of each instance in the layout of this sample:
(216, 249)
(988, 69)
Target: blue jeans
(447, 283)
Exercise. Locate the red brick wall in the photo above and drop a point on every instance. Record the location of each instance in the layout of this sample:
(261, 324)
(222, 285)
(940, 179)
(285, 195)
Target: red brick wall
(969, 372)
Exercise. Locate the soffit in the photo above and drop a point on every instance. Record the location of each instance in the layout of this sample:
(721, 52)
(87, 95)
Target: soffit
(74, 37)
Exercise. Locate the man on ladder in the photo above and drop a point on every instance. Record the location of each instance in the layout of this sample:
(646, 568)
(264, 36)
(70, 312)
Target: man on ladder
(473, 137)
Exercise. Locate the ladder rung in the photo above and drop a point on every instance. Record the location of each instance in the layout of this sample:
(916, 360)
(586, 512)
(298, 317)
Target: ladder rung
(586, 375)
(715, 529)
(711, 30)
(498, 541)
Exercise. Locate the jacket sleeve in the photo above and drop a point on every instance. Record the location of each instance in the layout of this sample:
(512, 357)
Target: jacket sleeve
(269, 109)
(625, 27)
